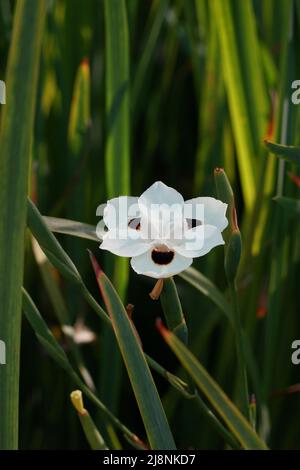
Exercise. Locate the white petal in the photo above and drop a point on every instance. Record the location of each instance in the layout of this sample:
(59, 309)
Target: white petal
(119, 211)
(199, 241)
(129, 245)
(161, 208)
(167, 226)
(143, 264)
(212, 210)
(159, 193)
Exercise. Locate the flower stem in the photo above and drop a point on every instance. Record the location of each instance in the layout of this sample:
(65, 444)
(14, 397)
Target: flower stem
(173, 311)
(242, 371)
(156, 291)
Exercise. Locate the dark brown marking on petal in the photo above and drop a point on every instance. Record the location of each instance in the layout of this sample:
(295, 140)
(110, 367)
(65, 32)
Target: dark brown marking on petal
(192, 223)
(135, 224)
(162, 256)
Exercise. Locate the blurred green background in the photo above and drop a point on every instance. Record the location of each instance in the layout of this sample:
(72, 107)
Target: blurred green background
(138, 91)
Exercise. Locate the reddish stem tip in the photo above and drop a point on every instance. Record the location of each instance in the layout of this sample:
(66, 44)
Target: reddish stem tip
(294, 178)
(161, 327)
(85, 62)
(252, 399)
(234, 219)
(129, 309)
(219, 170)
(139, 441)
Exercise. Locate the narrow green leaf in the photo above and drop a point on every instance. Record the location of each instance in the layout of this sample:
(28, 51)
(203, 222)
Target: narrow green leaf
(147, 397)
(216, 423)
(16, 138)
(117, 152)
(49, 244)
(117, 166)
(287, 152)
(243, 389)
(43, 333)
(233, 246)
(233, 418)
(207, 288)
(76, 165)
(172, 309)
(80, 110)
(92, 433)
(241, 60)
(212, 104)
(225, 192)
(71, 227)
(285, 132)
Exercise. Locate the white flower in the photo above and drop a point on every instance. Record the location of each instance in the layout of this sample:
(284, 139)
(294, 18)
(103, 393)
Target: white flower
(160, 232)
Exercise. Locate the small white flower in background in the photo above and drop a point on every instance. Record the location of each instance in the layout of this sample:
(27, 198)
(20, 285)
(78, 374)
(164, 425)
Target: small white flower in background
(160, 232)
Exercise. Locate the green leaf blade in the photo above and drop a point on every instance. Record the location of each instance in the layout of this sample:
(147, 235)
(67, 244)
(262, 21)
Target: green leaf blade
(287, 152)
(147, 397)
(235, 421)
(16, 139)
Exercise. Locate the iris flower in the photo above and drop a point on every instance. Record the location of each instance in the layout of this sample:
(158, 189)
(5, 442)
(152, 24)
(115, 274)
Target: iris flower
(161, 232)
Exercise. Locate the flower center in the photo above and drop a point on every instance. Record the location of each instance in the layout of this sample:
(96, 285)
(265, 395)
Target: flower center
(162, 255)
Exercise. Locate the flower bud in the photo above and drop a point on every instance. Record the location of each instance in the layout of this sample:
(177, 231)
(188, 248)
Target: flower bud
(224, 189)
(234, 241)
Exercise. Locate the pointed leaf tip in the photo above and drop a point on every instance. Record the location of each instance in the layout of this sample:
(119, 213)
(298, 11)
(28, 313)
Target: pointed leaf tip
(139, 442)
(96, 267)
(161, 327)
(85, 62)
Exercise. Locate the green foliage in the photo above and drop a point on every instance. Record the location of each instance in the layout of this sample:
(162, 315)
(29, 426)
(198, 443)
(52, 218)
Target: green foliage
(225, 408)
